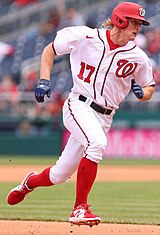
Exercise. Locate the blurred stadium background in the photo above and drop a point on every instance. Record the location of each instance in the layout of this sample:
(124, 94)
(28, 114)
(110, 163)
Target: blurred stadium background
(28, 128)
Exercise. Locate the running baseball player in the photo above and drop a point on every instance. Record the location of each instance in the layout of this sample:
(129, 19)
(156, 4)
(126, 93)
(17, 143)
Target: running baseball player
(106, 64)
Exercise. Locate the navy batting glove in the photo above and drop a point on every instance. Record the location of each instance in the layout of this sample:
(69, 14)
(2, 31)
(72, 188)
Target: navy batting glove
(42, 89)
(137, 90)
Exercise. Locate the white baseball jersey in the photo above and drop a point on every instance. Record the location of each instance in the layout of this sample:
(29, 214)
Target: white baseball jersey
(102, 75)
(98, 72)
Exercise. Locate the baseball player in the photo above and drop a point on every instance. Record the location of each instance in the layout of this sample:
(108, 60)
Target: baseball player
(106, 64)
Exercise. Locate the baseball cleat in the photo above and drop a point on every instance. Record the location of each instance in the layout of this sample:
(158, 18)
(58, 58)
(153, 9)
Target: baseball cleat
(89, 223)
(81, 215)
(17, 194)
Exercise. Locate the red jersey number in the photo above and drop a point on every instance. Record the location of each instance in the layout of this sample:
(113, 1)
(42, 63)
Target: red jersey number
(84, 67)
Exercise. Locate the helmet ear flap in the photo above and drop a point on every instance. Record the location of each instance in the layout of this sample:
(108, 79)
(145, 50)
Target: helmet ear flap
(120, 22)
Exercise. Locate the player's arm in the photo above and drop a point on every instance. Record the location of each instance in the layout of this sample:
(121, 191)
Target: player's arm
(143, 94)
(148, 92)
(46, 64)
(47, 60)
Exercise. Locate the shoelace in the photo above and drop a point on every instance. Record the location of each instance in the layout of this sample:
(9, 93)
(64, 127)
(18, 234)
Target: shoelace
(21, 188)
(86, 207)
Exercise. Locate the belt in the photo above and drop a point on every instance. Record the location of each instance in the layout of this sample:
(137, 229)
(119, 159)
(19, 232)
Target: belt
(96, 107)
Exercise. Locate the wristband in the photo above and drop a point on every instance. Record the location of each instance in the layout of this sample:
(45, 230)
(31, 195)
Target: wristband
(44, 82)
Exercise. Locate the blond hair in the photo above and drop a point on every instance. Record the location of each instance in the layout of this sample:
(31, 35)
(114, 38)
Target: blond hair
(107, 24)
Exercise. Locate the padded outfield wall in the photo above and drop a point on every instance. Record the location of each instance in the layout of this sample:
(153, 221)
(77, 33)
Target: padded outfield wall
(131, 143)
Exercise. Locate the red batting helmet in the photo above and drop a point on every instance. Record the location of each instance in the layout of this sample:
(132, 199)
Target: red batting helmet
(125, 10)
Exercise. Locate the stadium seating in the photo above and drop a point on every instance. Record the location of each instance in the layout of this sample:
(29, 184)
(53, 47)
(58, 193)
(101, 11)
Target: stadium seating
(31, 43)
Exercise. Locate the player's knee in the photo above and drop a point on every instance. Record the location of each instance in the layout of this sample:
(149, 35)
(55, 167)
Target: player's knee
(99, 145)
(58, 177)
(96, 150)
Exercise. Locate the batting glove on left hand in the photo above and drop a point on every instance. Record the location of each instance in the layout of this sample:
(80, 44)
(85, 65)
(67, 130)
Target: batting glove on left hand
(42, 89)
(137, 90)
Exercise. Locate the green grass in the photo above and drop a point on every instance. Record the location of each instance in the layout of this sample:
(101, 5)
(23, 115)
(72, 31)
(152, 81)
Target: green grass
(14, 160)
(31, 160)
(115, 202)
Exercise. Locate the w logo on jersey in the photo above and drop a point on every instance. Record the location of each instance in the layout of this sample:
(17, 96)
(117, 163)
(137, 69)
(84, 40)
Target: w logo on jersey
(125, 68)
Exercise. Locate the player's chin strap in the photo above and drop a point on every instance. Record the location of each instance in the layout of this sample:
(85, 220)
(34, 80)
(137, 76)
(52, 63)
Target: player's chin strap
(96, 107)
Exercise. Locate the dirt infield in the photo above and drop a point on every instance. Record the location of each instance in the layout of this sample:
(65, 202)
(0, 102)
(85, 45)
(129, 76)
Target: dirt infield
(55, 228)
(105, 173)
(108, 173)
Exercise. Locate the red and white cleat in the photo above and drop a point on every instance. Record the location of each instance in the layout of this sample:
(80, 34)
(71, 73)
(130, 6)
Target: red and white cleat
(17, 194)
(81, 215)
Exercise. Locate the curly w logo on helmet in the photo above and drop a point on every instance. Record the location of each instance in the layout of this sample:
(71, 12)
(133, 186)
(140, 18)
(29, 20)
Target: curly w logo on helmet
(141, 12)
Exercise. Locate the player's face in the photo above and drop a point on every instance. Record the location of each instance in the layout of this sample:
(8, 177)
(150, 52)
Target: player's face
(133, 29)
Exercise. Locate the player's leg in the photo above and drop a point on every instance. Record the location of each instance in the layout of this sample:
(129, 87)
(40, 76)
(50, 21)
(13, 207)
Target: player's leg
(64, 168)
(86, 175)
(87, 129)
(68, 162)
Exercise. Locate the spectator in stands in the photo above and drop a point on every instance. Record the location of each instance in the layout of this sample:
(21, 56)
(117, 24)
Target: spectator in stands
(25, 129)
(51, 24)
(153, 39)
(6, 50)
(156, 73)
(22, 110)
(72, 17)
(40, 119)
(24, 2)
(18, 4)
(55, 106)
(8, 85)
(9, 89)
(29, 81)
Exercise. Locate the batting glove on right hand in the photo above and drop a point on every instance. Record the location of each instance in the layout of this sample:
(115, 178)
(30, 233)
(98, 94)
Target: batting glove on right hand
(137, 90)
(42, 89)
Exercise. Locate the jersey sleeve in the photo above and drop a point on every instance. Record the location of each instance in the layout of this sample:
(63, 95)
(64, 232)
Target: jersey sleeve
(144, 76)
(67, 39)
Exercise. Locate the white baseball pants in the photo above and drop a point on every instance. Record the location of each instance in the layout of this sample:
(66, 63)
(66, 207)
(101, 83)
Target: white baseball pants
(88, 138)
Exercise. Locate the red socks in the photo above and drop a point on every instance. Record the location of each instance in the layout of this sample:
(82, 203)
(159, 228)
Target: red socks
(39, 180)
(86, 175)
